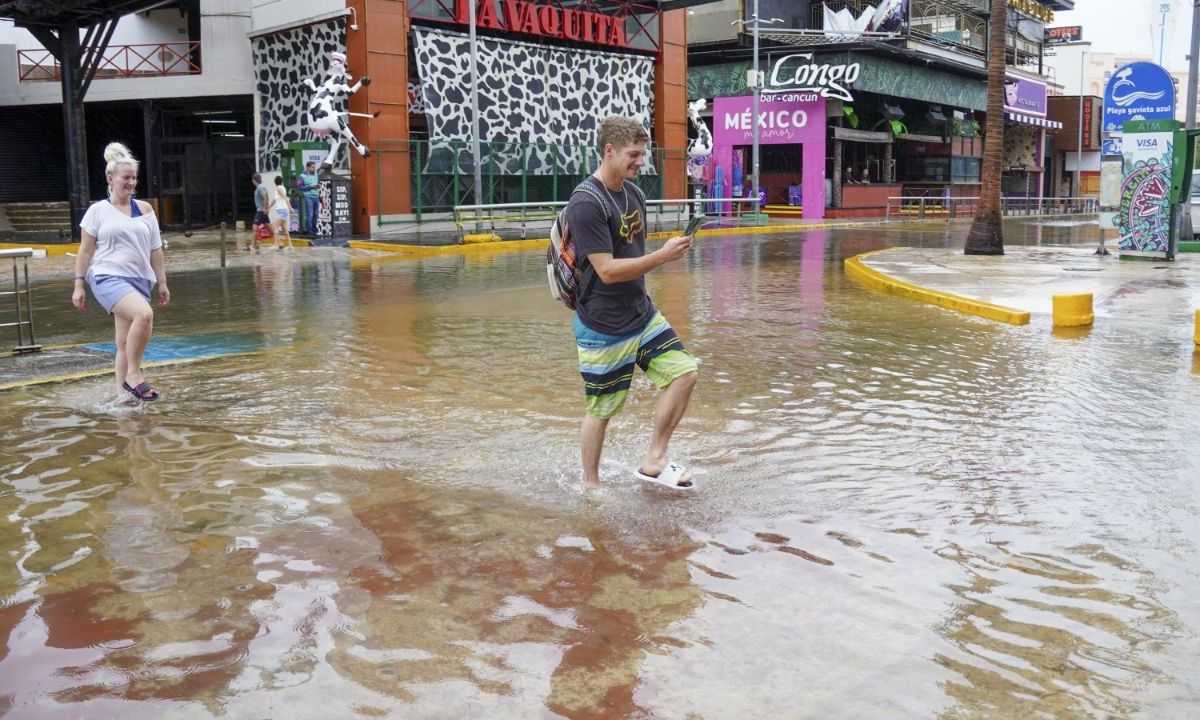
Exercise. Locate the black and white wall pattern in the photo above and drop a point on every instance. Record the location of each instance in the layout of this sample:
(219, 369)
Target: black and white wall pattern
(540, 105)
(281, 62)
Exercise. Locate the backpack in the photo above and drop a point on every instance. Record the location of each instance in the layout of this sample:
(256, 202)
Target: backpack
(561, 269)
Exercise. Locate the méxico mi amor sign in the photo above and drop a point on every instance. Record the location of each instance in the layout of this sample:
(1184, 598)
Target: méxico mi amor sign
(798, 73)
(547, 21)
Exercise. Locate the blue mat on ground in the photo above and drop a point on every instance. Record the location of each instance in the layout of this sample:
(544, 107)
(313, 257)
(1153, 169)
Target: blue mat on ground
(193, 347)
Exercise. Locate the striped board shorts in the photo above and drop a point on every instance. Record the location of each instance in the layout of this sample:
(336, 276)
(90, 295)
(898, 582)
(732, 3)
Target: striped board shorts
(606, 362)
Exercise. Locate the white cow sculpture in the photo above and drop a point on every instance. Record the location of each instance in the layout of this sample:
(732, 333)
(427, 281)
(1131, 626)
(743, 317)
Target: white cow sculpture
(324, 119)
(701, 147)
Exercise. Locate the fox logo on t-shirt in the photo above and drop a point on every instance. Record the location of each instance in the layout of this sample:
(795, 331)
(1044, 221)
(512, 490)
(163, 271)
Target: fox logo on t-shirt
(631, 225)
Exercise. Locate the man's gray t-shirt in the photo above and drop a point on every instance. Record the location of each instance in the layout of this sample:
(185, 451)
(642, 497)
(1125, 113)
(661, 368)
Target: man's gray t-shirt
(262, 198)
(620, 308)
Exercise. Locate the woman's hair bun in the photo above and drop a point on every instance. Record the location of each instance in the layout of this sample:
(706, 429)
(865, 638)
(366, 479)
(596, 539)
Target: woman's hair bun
(115, 151)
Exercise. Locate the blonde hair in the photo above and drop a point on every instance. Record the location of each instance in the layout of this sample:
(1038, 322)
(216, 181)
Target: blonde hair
(117, 155)
(620, 132)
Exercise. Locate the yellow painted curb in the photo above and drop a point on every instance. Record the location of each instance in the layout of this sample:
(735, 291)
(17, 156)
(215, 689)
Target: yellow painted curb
(1073, 310)
(1196, 332)
(470, 238)
(51, 249)
(874, 279)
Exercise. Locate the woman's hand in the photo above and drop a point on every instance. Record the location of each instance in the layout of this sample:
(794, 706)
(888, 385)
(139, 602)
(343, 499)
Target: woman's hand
(164, 295)
(79, 297)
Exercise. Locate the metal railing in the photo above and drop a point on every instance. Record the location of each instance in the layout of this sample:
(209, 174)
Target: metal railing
(934, 207)
(441, 175)
(519, 219)
(118, 61)
(24, 311)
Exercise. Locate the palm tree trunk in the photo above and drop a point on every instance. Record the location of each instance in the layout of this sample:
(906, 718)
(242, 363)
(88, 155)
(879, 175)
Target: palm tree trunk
(986, 236)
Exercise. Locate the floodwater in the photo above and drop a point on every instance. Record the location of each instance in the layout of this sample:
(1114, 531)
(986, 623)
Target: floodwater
(904, 512)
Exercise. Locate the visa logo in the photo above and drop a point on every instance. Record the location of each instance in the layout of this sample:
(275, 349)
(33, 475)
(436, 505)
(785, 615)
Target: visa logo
(1147, 143)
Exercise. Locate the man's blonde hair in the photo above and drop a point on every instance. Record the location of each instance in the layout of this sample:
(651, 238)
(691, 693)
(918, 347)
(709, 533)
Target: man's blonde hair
(621, 132)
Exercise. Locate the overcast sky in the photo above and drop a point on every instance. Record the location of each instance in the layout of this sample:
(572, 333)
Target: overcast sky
(1125, 26)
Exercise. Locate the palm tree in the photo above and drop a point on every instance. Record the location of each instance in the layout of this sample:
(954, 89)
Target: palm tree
(986, 236)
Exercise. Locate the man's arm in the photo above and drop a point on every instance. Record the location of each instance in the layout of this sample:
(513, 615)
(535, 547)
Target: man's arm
(616, 270)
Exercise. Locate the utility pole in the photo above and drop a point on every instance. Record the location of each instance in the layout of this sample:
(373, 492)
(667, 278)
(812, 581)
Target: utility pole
(1193, 66)
(475, 155)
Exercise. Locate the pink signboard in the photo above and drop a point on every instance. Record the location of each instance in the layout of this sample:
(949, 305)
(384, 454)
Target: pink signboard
(787, 118)
(784, 119)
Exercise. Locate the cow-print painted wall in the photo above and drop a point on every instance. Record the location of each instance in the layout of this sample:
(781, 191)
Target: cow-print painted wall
(527, 94)
(281, 62)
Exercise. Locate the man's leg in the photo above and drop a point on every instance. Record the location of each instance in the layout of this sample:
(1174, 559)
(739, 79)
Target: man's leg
(668, 411)
(591, 444)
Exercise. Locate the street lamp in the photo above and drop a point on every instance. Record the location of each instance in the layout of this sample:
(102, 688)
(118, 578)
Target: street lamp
(755, 82)
(475, 112)
(1193, 63)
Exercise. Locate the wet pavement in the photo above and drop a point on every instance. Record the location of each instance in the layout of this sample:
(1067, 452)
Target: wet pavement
(1027, 278)
(905, 512)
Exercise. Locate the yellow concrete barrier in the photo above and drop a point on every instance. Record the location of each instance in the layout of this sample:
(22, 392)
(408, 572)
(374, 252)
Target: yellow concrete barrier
(1073, 310)
(480, 237)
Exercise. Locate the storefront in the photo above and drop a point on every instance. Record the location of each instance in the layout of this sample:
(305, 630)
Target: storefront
(791, 136)
(891, 129)
(1025, 130)
(547, 75)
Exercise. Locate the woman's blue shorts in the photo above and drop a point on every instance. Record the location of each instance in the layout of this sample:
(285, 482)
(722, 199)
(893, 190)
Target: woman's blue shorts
(109, 289)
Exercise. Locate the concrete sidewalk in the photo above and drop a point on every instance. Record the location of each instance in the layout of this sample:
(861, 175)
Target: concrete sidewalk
(1025, 279)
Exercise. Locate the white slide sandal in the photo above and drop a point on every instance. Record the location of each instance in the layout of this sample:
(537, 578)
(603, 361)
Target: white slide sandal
(668, 478)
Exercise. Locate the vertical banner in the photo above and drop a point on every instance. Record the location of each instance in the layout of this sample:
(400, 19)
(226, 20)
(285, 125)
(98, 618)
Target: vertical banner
(1144, 213)
(333, 213)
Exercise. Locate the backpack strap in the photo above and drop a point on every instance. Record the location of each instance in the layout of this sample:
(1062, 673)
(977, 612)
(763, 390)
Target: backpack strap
(588, 188)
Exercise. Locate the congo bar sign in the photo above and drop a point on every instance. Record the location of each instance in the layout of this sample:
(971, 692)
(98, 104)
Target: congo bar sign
(546, 20)
(798, 73)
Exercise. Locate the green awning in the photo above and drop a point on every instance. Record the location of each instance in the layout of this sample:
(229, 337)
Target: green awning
(877, 75)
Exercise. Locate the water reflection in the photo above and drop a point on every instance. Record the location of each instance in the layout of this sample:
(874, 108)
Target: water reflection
(906, 512)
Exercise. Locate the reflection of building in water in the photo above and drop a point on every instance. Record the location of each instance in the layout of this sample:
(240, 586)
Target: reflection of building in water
(499, 603)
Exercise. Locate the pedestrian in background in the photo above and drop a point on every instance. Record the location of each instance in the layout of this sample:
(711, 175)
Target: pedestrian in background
(262, 202)
(310, 191)
(121, 259)
(282, 214)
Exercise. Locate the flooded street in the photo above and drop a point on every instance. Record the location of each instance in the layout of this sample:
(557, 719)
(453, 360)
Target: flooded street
(903, 512)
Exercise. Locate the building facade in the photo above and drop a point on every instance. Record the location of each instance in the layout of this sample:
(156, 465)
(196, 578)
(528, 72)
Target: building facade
(903, 87)
(174, 84)
(548, 72)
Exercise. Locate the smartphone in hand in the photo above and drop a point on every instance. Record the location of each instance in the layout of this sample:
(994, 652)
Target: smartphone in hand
(694, 224)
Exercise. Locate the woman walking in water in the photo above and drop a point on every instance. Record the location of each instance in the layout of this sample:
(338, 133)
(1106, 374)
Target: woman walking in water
(121, 259)
(282, 212)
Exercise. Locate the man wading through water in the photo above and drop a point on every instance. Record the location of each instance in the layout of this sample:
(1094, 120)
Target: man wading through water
(616, 324)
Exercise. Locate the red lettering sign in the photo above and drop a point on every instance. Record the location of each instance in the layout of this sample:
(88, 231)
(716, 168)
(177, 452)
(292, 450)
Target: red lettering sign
(546, 20)
(1087, 123)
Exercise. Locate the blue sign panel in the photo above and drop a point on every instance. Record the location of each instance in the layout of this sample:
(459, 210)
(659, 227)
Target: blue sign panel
(1111, 146)
(1138, 91)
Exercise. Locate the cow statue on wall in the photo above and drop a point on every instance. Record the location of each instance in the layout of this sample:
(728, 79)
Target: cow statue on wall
(324, 118)
(700, 148)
